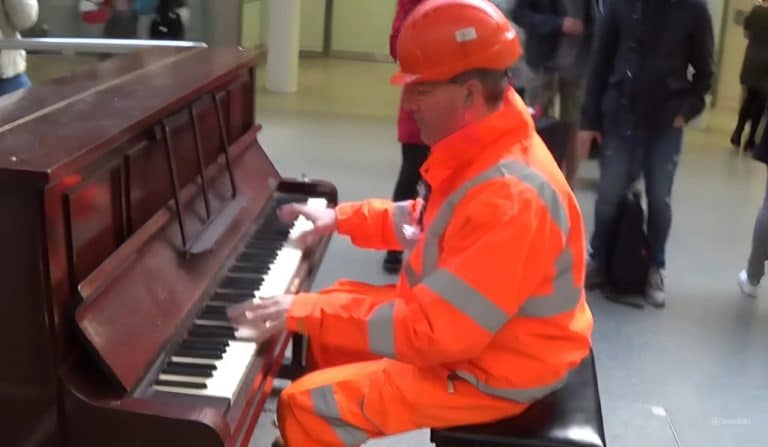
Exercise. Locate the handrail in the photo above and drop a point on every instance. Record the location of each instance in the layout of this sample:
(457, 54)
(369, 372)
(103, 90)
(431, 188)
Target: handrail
(92, 45)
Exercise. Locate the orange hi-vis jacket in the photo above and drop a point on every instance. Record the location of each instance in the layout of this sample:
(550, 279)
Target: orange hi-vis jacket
(491, 291)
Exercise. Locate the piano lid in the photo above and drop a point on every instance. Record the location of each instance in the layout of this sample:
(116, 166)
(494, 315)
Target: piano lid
(40, 138)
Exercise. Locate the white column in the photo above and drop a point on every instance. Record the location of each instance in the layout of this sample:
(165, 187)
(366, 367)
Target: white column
(283, 45)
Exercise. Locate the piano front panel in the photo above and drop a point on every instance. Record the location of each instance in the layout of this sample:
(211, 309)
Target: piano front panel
(95, 220)
(147, 187)
(75, 247)
(28, 388)
(142, 288)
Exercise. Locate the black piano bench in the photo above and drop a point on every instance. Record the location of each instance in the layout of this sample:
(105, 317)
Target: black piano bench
(569, 417)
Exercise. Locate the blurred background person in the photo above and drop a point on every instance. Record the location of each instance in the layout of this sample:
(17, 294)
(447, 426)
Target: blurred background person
(15, 16)
(754, 76)
(558, 43)
(414, 151)
(639, 97)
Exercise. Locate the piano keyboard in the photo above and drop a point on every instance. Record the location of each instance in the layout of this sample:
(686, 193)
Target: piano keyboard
(214, 358)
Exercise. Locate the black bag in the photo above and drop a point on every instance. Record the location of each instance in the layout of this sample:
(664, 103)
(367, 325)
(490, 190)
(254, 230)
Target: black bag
(628, 258)
(554, 133)
(167, 23)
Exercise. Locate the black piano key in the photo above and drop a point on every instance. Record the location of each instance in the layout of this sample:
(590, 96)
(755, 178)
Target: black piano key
(240, 283)
(199, 353)
(213, 316)
(212, 332)
(180, 384)
(233, 297)
(214, 309)
(200, 344)
(199, 366)
(253, 269)
(184, 371)
(257, 256)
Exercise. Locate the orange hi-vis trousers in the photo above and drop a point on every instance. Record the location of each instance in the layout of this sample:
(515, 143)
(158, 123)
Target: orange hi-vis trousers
(352, 397)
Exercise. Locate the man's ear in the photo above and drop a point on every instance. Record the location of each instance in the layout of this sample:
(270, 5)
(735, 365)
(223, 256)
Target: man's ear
(474, 92)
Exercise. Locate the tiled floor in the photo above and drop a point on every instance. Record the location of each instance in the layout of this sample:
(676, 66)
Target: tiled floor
(693, 373)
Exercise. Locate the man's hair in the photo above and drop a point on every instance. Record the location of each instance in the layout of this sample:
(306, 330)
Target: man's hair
(494, 82)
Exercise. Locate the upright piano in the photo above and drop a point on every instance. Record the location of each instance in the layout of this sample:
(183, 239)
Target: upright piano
(137, 204)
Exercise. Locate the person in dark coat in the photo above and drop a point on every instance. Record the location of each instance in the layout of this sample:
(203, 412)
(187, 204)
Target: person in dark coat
(640, 95)
(558, 42)
(754, 76)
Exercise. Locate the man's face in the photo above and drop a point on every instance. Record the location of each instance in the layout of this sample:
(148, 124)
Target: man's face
(440, 108)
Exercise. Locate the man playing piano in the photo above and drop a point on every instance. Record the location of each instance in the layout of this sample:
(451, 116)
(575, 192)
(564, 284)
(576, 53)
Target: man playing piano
(489, 314)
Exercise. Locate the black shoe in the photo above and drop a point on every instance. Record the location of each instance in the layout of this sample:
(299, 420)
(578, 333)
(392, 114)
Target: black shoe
(736, 139)
(278, 442)
(749, 145)
(595, 277)
(393, 261)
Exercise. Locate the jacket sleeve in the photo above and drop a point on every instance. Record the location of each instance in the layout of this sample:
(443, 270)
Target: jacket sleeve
(601, 68)
(456, 310)
(21, 13)
(377, 223)
(525, 14)
(702, 61)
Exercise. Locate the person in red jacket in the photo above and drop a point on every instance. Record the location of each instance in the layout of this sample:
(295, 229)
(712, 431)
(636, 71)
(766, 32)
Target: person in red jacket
(413, 149)
(489, 314)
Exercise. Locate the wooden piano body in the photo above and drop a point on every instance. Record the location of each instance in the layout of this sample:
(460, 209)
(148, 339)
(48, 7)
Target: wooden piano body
(129, 191)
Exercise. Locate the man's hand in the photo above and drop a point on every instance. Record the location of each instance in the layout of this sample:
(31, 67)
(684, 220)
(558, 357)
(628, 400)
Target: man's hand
(261, 318)
(679, 122)
(585, 139)
(573, 27)
(324, 221)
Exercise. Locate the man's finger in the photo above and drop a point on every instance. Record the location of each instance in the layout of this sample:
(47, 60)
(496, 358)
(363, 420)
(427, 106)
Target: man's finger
(289, 212)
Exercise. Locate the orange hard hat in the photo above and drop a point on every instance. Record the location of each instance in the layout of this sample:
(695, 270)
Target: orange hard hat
(443, 38)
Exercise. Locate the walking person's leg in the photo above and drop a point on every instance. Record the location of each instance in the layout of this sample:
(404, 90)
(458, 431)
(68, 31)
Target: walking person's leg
(756, 112)
(744, 114)
(660, 165)
(750, 278)
(571, 97)
(618, 170)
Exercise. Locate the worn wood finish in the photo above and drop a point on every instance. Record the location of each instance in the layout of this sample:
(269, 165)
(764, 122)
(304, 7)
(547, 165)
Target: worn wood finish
(108, 178)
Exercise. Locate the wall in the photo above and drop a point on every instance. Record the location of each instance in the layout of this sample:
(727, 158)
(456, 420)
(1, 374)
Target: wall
(255, 24)
(728, 93)
(362, 27)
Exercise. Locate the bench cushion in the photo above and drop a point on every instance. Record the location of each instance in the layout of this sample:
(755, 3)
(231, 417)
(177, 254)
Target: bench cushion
(569, 417)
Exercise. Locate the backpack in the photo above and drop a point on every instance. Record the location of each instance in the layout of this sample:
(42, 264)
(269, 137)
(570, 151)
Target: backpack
(628, 260)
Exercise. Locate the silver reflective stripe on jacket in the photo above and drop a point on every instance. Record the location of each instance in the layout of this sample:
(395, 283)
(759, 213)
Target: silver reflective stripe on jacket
(468, 300)
(381, 330)
(325, 406)
(506, 168)
(564, 297)
(522, 395)
(463, 296)
(401, 216)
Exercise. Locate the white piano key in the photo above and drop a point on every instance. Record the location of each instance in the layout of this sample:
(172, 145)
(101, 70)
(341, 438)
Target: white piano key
(227, 377)
(236, 360)
(283, 268)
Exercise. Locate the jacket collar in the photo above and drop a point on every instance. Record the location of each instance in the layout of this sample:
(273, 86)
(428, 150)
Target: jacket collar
(475, 143)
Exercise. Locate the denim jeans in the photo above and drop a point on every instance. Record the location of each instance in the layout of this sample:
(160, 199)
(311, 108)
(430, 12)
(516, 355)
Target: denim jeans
(623, 160)
(759, 252)
(8, 85)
